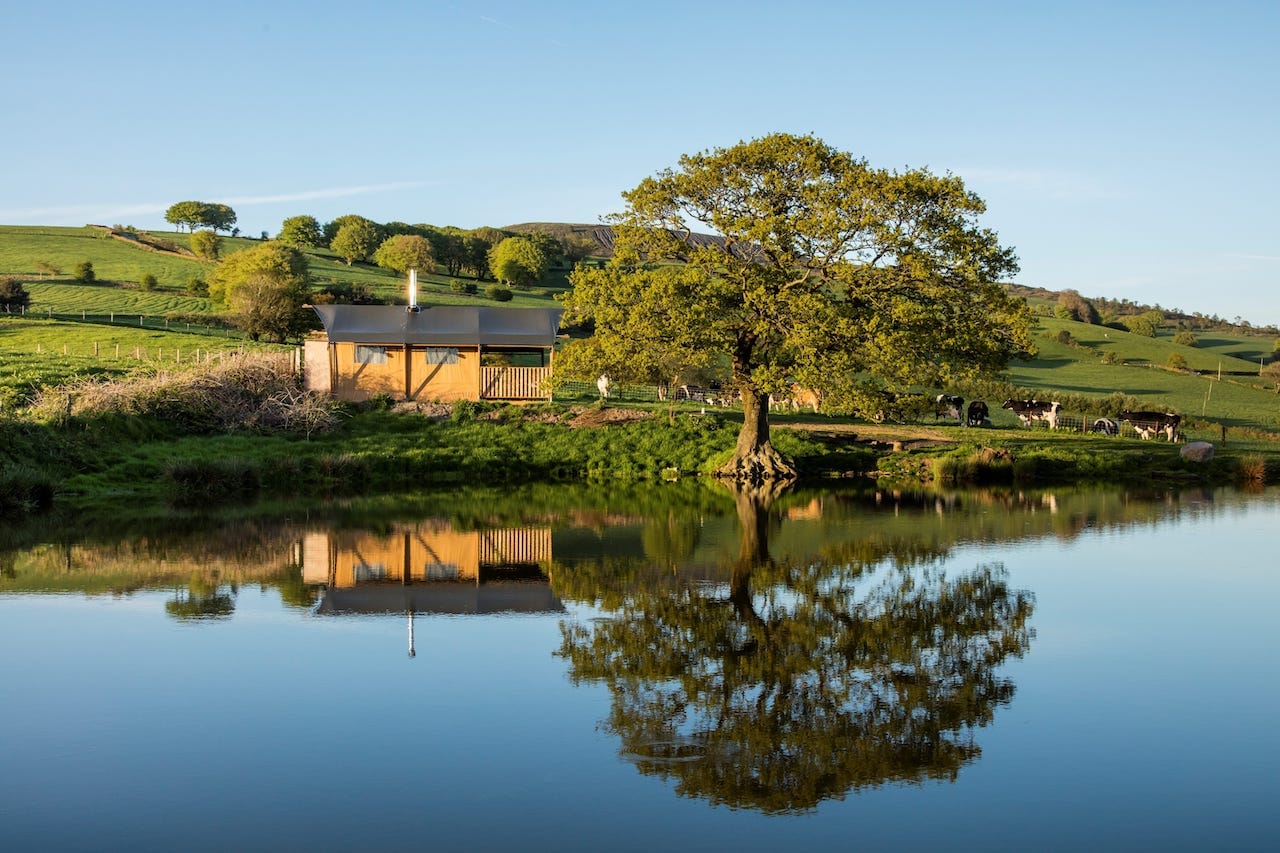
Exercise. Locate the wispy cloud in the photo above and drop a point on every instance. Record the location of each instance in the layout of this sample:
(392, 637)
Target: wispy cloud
(1062, 186)
(331, 192)
(79, 214)
(1248, 257)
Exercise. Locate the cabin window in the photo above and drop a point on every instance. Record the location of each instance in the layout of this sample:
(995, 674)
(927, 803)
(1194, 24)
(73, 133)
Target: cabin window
(364, 572)
(442, 355)
(371, 355)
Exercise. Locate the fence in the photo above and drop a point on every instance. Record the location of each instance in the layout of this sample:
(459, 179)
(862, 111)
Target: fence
(513, 383)
(137, 321)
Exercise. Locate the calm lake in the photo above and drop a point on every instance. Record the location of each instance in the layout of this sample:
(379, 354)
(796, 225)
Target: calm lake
(649, 668)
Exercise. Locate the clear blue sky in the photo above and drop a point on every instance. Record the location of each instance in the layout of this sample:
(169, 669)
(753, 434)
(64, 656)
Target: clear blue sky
(1125, 149)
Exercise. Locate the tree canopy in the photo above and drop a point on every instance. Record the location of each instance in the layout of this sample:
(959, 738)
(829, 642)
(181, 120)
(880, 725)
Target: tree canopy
(518, 260)
(219, 217)
(301, 231)
(266, 286)
(405, 252)
(356, 240)
(823, 271)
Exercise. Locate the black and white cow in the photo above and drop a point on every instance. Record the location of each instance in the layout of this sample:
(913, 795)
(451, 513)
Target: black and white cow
(1030, 411)
(1147, 424)
(950, 406)
(1106, 426)
(977, 414)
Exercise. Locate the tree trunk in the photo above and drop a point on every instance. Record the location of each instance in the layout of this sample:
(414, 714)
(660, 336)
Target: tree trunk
(754, 459)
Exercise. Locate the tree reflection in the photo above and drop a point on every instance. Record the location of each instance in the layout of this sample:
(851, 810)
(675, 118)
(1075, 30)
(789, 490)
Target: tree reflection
(791, 683)
(201, 599)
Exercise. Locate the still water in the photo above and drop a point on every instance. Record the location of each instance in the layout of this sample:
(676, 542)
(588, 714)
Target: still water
(665, 668)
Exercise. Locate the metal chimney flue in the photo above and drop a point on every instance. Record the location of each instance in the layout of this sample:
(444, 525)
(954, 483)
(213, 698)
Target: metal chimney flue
(413, 292)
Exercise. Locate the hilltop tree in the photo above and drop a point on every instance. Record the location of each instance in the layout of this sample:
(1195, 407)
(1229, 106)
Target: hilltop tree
(184, 213)
(84, 273)
(219, 217)
(828, 273)
(448, 245)
(301, 231)
(405, 252)
(356, 240)
(266, 286)
(518, 260)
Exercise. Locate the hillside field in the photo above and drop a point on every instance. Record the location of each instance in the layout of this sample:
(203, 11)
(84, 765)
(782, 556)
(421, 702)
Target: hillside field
(1074, 371)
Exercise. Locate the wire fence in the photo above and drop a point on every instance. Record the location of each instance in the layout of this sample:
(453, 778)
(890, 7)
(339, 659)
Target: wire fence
(153, 322)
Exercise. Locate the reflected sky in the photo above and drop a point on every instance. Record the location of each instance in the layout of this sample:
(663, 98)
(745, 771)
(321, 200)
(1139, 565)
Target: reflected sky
(1140, 716)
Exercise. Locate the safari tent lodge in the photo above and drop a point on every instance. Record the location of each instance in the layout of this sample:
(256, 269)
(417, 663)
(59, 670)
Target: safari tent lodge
(442, 352)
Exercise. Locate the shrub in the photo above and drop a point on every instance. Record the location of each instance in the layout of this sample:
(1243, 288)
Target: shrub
(196, 286)
(1064, 338)
(1252, 468)
(84, 272)
(459, 286)
(1112, 357)
(12, 294)
(196, 482)
(1176, 361)
(24, 489)
(498, 293)
(206, 244)
(148, 283)
(1186, 339)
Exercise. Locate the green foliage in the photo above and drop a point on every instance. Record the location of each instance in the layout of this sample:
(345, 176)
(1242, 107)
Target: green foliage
(519, 261)
(206, 244)
(217, 216)
(827, 271)
(148, 283)
(13, 296)
(404, 252)
(1177, 361)
(200, 482)
(498, 293)
(301, 232)
(1185, 339)
(267, 287)
(84, 272)
(1112, 357)
(196, 286)
(355, 240)
(1144, 324)
(24, 489)
(331, 228)
(1073, 306)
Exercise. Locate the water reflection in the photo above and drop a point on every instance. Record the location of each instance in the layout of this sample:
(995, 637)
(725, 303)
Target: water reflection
(766, 652)
(785, 682)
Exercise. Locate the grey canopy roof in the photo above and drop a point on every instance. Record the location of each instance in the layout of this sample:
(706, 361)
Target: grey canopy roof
(441, 325)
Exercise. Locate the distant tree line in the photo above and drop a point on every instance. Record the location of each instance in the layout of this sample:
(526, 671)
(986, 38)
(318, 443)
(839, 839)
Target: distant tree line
(485, 253)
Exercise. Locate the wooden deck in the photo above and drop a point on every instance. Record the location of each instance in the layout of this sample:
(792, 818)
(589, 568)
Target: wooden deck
(514, 383)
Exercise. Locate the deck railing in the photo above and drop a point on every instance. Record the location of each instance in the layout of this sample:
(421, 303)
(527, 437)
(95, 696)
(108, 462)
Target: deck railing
(513, 383)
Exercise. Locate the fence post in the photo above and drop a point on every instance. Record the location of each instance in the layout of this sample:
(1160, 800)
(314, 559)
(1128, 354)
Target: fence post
(139, 319)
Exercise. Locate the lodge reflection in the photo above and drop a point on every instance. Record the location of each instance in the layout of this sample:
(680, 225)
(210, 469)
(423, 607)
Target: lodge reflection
(789, 682)
(430, 567)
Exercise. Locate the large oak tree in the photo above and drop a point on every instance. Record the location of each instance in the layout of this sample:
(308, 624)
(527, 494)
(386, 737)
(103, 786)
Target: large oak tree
(822, 271)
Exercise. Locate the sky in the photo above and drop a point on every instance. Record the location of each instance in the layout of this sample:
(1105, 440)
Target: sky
(1124, 149)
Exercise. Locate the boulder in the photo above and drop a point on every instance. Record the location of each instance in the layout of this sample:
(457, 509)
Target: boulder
(1197, 451)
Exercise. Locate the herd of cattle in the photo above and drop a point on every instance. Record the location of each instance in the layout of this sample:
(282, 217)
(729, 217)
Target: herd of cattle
(976, 414)
(1145, 424)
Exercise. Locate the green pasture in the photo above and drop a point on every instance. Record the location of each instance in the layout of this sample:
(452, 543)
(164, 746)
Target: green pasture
(23, 247)
(70, 298)
(1078, 369)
